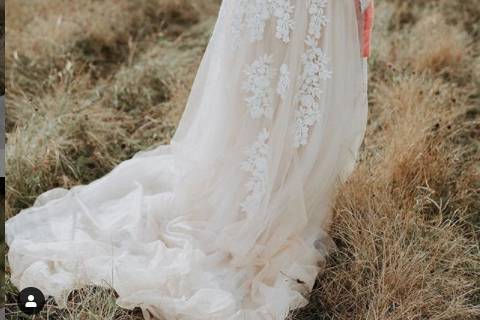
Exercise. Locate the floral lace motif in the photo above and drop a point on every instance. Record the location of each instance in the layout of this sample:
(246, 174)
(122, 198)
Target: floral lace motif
(254, 14)
(259, 78)
(282, 10)
(284, 81)
(315, 72)
(257, 165)
(237, 23)
(318, 18)
(260, 75)
(257, 13)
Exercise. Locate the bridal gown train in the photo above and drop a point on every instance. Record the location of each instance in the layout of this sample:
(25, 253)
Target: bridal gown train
(228, 221)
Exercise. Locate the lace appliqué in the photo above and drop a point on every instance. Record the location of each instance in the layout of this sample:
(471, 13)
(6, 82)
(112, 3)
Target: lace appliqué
(258, 83)
(282, 10)
(256, 15)
(283, 82)
(318, 18)
(253, 16)
(257, 165)
(237, 20)
(315, 71)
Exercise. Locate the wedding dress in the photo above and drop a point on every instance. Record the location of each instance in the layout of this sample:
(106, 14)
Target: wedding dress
(228, 221)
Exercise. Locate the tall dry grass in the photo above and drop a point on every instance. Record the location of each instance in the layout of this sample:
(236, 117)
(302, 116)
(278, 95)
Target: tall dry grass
(89, 83)
(407, 222)
(88, 87)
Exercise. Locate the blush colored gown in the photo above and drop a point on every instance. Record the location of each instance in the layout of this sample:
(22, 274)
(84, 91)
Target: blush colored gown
(228, 221)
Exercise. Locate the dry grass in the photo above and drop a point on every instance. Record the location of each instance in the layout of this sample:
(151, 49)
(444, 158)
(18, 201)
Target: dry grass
(89, 83)
(92, 96)
(407, 223)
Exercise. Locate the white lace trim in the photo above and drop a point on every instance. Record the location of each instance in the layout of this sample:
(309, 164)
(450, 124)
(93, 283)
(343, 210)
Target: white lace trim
(315, 71)
(284, 81)
(258, 83)
(253, 15)
(257, 165)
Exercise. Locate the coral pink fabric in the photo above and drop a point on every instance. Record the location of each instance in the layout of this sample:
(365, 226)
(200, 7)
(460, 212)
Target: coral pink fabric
(367, 29)
(367, 18)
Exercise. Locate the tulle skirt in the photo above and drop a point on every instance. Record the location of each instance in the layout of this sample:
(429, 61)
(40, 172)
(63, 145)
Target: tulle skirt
(228, 221)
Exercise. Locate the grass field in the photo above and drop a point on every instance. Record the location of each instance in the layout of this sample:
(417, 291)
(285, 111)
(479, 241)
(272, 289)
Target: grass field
(89, 83)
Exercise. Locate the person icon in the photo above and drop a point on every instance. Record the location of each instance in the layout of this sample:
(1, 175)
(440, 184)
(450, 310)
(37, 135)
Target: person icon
(31, 303)
(31, 300)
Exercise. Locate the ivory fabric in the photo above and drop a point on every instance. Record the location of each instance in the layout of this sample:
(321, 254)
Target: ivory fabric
(229, 221)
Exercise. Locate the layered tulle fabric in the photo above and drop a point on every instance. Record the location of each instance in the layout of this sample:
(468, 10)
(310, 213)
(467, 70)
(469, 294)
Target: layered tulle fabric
(228, 222)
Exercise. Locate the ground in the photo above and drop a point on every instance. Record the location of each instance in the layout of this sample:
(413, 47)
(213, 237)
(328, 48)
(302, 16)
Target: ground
(89, 83)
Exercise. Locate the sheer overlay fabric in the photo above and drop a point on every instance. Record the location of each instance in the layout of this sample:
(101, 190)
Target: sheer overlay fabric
(228, 221)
